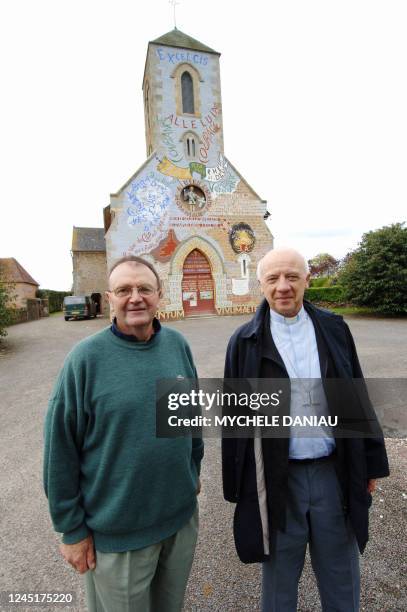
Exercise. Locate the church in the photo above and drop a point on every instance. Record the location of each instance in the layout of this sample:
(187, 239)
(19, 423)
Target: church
(187, 209)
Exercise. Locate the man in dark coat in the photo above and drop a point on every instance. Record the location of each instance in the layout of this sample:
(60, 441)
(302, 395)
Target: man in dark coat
(292, 491)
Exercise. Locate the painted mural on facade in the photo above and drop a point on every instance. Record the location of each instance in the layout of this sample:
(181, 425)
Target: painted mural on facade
(174, 192)
(208, 163)
(242, 238)
(188, 197)
(153, 203)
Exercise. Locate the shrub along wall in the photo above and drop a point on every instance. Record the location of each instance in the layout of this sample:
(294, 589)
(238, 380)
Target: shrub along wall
(331, 295)
(55, 298)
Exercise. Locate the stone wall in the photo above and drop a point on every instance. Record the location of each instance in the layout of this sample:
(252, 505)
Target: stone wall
(23, 292)
(90, 275)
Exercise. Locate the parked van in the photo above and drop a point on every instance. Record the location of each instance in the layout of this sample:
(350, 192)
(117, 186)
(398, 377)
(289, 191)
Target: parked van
(79, 307)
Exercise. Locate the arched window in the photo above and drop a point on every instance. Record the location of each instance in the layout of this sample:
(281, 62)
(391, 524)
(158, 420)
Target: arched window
(187, 82)
(244, 268)
(187, 88)
(191, 145)
(147, 104)
(244, 260)
(148, 115)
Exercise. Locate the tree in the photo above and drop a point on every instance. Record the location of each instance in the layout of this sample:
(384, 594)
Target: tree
(375, 274)
(6, 303)
(323, 264)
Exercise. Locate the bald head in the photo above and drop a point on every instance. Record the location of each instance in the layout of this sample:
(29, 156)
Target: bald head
(284, 275)
(282, 254)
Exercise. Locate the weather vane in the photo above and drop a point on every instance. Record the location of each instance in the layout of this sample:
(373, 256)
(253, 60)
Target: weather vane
(174, 3)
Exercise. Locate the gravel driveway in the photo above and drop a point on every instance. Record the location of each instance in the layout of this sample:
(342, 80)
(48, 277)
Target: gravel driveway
(29, 362)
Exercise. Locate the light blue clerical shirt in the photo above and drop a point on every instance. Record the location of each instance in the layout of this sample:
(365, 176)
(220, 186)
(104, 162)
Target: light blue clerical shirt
(295, 340)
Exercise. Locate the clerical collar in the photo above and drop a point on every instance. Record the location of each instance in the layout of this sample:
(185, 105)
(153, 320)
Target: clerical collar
(275, 317)
(129, 337)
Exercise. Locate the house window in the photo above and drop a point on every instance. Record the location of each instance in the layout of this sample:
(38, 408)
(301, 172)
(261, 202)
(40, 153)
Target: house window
(187, 89)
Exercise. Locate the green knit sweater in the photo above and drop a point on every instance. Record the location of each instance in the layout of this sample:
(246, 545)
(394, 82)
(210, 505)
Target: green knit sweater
(105, 472)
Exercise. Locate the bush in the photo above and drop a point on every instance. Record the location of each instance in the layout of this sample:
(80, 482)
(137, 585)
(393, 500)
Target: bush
(55, 298)
(331, 295)
(375, 274)
(6, 305)
(322, 281)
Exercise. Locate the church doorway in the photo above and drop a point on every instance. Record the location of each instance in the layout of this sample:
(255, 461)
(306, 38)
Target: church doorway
(197, 285)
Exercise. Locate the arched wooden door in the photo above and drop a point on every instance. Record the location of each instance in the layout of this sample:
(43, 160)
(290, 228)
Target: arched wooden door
(197, 285)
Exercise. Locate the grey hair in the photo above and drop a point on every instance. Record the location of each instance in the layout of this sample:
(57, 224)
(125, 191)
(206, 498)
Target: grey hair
(137, 260)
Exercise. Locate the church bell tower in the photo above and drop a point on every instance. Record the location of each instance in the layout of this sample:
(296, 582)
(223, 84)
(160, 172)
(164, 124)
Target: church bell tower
(182, 101)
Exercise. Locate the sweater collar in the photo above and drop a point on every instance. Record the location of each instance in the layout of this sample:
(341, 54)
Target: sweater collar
(129, 337)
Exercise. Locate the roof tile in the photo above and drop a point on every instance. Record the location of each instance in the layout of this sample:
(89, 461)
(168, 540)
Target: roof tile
(14, 272)
(88, 239)
(176, 38)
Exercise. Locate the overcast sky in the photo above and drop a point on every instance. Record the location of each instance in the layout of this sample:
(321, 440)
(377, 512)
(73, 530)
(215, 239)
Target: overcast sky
(314, 109)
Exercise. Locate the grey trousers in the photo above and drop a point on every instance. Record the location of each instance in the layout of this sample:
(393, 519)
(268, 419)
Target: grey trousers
(314, 516)
(152, 579)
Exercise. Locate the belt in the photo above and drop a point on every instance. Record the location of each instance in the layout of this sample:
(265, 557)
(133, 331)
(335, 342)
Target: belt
(312, 460)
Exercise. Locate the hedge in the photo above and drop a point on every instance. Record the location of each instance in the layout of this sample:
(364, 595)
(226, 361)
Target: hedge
(55, 298)
(321, 281)
(331, 295)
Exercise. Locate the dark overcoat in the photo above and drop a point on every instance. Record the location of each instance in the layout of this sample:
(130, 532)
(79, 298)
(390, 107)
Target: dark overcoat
(251, 353)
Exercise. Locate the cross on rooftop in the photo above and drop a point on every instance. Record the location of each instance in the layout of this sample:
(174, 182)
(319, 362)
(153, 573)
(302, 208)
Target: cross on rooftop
(174, 4)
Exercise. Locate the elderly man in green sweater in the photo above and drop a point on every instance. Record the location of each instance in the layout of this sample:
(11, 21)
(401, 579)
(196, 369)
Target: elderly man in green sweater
(124, 500)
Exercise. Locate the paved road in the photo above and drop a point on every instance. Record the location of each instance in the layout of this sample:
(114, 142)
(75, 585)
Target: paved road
(29, 558)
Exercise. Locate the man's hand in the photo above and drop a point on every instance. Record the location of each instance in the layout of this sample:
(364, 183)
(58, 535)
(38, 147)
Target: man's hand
(371, 485)
(80, 555)
(198, 486)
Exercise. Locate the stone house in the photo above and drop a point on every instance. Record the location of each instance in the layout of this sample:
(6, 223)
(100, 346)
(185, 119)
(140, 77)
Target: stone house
(24, 286)
(89, 264)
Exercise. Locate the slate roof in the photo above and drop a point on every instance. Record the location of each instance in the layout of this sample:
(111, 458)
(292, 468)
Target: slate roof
(176, 38)
(14, 272)
(88, 239)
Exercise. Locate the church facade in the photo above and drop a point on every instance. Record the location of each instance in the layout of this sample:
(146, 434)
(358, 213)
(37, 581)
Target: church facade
(187, 209)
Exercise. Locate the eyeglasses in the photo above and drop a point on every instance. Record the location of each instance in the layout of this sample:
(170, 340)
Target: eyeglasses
(143, 291)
